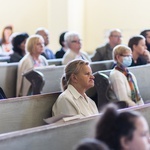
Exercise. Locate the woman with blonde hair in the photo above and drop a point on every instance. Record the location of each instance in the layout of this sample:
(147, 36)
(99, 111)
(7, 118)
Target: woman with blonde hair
(34, 47)
(76, 81)
(124, 82)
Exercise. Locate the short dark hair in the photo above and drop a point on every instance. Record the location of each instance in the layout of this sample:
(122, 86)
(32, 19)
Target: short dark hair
(91, 144)
(62, 39)
(17, 40)
(135, 41)
(113, 125)
(144, 32)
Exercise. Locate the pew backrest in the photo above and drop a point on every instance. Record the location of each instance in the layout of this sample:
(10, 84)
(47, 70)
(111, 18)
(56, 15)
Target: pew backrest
(56, 62)
(143, 80)
(102, 65)
(59, 137)
(25, 112)
(8, 78)
(53, 74)
(142, 75)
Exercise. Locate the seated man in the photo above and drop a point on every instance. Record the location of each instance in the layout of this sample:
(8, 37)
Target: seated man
(73, 43)
(104, 52)
(47, 53)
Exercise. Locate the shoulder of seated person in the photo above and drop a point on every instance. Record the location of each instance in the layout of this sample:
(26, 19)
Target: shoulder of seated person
(102, 46)
(64, 94)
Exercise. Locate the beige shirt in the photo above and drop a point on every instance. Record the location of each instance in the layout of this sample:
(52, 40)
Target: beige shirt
(71, 102)
(70, 55)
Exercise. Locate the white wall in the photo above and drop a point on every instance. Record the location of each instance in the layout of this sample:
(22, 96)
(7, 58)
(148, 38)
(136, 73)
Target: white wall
(24, 15)
(91, 18)
(131, 16)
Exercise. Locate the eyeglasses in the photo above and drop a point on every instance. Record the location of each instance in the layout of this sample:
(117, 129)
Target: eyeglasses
(117, 36)
(125, 55)
(76, 41)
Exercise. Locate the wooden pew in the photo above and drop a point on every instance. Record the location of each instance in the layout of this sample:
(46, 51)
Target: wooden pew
(4, 58)
(8, 78)
(56, 62)
(101, 65)
(58, 137)
(25, 112)
(53, 74)
(142, 75)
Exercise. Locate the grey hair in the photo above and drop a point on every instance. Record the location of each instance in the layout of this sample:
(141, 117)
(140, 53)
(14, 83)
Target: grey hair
(41, 29)
(69, 37)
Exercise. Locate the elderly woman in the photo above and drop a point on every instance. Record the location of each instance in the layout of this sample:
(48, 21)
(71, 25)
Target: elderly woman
(34, 46)
(73, 44)
(77, 80)
(124, 82)
(140, 54)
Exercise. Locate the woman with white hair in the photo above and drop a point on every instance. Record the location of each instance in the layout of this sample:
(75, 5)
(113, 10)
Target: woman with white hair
(124, 82)
(73, 43)
(34, 46)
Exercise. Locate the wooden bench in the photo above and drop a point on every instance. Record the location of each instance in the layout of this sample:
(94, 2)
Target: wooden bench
(142, 75)
(56, 62)
(58, 137)
(8, 78)
(25, 112)
(53, 74)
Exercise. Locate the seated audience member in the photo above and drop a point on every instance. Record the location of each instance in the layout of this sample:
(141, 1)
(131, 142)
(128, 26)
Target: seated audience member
(47, 53)
(34, 46)
(6, 47)
(76, 81)
(123, 82)
(146, 34)
(62, 51)
(18, 44)
(91, 144)
(73, 43)
(140, 54)
(104, 52)
(126, 130)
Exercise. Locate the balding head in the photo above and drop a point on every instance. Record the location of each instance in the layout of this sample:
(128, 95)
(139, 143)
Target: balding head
(44, 33)
(115, 37)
